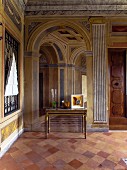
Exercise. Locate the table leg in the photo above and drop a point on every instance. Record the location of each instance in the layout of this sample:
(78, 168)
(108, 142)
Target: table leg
(82, 123)
(46, 125)
(85, 125)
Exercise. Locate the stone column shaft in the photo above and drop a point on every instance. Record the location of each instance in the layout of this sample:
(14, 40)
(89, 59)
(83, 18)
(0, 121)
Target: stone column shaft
(31, 92)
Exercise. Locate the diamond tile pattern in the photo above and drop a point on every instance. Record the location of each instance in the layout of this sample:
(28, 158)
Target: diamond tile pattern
(67, 151)
(75, 163)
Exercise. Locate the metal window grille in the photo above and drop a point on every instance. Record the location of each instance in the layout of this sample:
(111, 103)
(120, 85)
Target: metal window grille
(11, 103)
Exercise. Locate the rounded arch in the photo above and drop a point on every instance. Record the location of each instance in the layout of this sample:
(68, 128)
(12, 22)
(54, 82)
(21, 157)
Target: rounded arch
(34, 41)
(76, 53)
(48, 52)
(58, 47)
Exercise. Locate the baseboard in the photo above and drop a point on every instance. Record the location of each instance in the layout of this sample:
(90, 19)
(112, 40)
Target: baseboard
(97, 129)
(9, 141)
(118, 127)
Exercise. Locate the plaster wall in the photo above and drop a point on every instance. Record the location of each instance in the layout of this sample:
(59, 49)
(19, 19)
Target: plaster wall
(11, 126)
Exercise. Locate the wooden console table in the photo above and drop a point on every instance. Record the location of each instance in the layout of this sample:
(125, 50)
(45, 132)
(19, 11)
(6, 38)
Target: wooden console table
(65, 112)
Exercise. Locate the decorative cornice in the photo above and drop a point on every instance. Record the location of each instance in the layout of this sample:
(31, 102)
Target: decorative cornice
(77, 13)
(73, 7)
(76, 2)
(86, 8)
(12, 13)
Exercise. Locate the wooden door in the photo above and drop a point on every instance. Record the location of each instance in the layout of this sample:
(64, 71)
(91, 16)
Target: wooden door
(117, 65)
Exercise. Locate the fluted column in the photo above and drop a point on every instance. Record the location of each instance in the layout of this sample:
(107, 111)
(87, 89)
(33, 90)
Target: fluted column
(99, 72)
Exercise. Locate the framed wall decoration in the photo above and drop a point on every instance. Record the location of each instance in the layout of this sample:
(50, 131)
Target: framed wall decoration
(77, 101)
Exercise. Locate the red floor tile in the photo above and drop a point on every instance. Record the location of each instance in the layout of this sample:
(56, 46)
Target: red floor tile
(99, 151)
(103, 154)
(75, 163)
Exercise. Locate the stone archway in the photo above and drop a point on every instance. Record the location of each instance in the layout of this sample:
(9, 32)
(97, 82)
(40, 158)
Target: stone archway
(65, 67)
(37, 36)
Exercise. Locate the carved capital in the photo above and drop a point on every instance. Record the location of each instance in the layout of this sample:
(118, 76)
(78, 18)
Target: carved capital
(97, 20)
(88, 53)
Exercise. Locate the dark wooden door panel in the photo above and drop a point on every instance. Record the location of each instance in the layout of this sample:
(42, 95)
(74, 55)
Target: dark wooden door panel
(116, 71)
(117, 64)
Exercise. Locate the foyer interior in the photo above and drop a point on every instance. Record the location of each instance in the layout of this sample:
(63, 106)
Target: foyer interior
(64, 47)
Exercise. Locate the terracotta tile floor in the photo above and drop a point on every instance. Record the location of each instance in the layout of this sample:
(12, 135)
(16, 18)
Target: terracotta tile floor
(67, 151)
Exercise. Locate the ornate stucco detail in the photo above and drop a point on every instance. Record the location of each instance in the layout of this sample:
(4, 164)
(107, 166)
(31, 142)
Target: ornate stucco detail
(97, 20)
(32, 26)
(76, 2)
(77, 7)
(86, 24)
(83, 61)
(20, 4)
(72, 49)
(43, 59)
(83, 64)
(10, 128)
(12, 13)
(77, 13)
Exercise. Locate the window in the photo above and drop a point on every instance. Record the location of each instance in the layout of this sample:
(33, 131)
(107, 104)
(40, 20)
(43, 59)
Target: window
(11, 88)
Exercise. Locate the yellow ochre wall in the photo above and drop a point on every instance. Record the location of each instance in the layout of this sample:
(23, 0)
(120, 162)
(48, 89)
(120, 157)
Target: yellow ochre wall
(38, 35)
(28, 116)
(11, 126)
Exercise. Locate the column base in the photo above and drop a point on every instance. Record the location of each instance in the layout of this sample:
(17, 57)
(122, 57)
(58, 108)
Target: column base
(98, 127)
(33, 127)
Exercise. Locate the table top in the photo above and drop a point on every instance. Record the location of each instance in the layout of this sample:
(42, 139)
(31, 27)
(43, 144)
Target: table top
(66, 111)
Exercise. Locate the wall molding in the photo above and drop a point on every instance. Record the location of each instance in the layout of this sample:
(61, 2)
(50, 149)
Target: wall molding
(9, 141)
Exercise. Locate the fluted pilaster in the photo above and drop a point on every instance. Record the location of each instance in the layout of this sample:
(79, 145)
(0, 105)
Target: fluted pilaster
(99, 72)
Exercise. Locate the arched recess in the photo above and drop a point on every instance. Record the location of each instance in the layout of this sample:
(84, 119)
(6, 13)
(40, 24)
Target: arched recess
(41, 33)
(37, 36)
(48, 73)
(51, 69)
(76, 53)
(78, 59)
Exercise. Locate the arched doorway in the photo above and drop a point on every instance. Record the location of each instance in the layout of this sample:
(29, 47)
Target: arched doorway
(57, 43)
(48, 74)
(55, 58)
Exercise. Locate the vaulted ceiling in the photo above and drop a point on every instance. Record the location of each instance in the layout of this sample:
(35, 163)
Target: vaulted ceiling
(68, 36)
